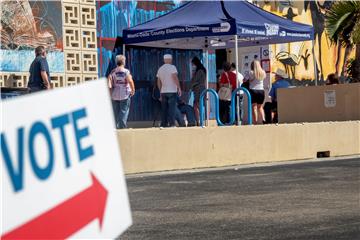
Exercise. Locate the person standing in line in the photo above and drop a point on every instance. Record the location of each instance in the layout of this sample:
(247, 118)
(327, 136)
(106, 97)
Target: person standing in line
(198, 82)
(240, 79)
(122, 88)
(228, 78)
(256, 78)
(281, 81)
(39, 72)
(169, 85)
(188, 111)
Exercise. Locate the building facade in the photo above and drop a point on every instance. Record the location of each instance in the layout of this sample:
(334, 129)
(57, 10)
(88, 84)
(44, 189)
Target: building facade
(80, 36)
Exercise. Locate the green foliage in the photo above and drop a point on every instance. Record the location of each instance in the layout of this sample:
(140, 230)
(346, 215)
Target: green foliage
(343, 22)
(353, 70)
(355, 35)
(350, 67)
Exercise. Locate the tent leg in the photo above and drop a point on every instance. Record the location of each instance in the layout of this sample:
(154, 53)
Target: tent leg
(123, 50)
(238, 122)
(207, 86)
(315, 65)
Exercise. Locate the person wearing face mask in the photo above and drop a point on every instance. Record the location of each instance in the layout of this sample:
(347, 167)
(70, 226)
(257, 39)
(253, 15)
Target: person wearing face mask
(197, 84)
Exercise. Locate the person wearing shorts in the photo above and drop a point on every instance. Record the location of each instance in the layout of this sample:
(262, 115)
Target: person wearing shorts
(257, 76)
(257, 96)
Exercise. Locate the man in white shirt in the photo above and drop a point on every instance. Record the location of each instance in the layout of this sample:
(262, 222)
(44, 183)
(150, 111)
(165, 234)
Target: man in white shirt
(240, 79)
(168, 83)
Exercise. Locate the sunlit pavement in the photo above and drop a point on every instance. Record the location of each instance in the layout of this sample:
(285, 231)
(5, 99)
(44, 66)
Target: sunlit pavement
(307, 200)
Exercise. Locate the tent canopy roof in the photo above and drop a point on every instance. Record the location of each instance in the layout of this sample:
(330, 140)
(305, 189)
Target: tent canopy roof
(213, 24)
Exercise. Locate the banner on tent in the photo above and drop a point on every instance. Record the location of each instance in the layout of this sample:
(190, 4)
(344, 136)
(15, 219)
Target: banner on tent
(218, 29)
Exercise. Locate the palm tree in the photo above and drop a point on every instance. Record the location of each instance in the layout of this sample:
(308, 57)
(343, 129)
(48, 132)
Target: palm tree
(342, 22)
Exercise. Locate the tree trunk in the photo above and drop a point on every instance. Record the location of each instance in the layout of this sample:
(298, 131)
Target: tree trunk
(356, 68)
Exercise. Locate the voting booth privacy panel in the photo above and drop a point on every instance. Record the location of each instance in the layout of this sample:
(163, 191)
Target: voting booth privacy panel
(61, 171)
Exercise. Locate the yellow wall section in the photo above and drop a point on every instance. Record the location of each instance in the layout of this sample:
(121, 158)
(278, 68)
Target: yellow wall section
(329, 51)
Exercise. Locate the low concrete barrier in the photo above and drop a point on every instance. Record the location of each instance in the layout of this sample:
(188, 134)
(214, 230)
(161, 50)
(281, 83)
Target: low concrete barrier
(151, 150)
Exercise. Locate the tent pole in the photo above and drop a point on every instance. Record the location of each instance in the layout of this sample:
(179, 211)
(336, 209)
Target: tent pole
(315, 65)
(237, 82)
(123, 52)
(207, 86)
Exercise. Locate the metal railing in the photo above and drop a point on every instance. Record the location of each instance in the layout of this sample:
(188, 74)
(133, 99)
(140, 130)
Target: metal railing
(202, 111)
(233, 106)
(232, 109)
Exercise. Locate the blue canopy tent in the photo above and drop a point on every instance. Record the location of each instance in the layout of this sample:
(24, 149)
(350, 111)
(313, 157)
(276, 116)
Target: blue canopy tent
(213, 24)
(217, 24)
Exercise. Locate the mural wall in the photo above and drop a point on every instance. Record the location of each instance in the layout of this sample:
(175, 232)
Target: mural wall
(66, 28)
(113, 17)
(297, 58)
(26, 25)
(81, 34)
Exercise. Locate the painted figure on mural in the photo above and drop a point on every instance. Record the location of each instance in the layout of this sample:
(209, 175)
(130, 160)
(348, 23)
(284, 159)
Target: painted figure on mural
(290, 14)
(318, 9)
(290, 60)
(318, 16)
(26, 24)
(310, 12)
(305, 58)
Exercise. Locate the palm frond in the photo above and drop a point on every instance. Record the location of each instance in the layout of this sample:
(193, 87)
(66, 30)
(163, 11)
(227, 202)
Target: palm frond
(340, 21)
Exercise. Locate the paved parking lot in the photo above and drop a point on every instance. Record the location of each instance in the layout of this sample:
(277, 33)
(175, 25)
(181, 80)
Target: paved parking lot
(307, 200)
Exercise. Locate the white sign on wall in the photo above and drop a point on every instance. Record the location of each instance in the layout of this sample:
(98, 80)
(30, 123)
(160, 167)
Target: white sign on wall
(61, 171)
(330, 98)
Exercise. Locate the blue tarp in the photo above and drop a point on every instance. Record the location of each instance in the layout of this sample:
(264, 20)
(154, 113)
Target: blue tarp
(213, 24)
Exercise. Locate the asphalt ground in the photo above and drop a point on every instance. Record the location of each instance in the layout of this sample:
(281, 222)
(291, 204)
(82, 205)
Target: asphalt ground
(307, 200)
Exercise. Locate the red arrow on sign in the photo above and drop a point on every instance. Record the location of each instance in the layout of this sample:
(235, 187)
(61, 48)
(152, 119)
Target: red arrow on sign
(67, 218)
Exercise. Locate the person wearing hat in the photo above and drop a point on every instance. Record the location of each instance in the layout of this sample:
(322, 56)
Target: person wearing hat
(168, 83)
(281, 81)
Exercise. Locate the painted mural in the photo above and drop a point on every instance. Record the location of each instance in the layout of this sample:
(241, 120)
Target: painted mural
(26, 25)
(113, 17)
(297, 58)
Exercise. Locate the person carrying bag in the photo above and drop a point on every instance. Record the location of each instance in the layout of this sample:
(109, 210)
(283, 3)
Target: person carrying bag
(225, 90)
(227, 85)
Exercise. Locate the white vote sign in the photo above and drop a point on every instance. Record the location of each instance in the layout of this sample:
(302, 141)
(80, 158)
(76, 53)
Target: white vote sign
(61, 169)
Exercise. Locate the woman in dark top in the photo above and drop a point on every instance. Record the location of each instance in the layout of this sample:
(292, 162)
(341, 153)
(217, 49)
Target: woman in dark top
(198, 84)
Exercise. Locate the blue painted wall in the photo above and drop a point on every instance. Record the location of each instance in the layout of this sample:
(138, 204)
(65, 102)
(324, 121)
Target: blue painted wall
(20, 60)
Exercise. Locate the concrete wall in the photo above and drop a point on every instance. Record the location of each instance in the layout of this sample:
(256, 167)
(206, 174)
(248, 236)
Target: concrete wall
(293, 106)
(150, 150)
